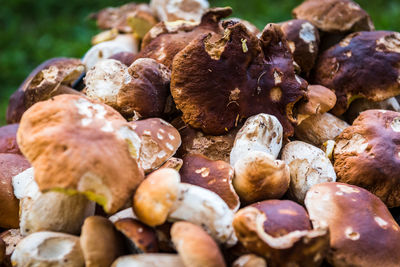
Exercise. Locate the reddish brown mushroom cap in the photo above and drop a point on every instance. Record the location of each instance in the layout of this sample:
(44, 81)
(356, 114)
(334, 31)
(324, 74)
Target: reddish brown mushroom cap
(363, 65)
(213, 175)
(367, 154)
(217, 83)
(10, 165)
(8, 139)
(363, 232)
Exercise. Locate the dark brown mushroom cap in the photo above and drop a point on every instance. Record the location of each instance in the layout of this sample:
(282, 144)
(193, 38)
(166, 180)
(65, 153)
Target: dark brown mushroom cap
(141, 238)
(43, 82)
(367, 154)
(334, 15)
(364, 64)
(8, 139)
(125, 58)
(167, 39)
(10, 165)
(283, 217)
(215, 84)
(363, 232)
(213, 175)
(303, 40)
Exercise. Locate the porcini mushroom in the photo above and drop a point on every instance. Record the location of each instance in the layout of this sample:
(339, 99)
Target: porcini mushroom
(172, 10)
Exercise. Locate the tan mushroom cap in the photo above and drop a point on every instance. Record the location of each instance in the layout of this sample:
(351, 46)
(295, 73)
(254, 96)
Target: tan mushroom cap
(172, 10)
(160, 140)
(79, 146)
(8, 139)
(367, 154)
(258, 176)
(363, 232)
(156, 195)
(141, 238)
(213, 175)
(195, 247)
(10, 165)
(249, 260)
(100, 242)
(11, 239)
(149, 260)
(334, 15)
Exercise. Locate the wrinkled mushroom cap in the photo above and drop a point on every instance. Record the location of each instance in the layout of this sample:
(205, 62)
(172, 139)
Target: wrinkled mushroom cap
(195, 247)
(334, 15)
(79, 146)
(172, 10)
(358, 223)
(8, 139)
(367, 154)
(338, 68)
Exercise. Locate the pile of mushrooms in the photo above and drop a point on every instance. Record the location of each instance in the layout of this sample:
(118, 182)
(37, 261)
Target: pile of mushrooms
(187, 138)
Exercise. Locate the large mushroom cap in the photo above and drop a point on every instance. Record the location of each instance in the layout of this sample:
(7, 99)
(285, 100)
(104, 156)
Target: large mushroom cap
(363, 65)
(79, 146)
(367, 154)
(359, 223)
(334, 15)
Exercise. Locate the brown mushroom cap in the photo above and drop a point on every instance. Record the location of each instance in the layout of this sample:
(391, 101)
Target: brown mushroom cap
(78, 146)
(217, 83)
(334, 15)
(100, 242)
(10, 165)
(363, 65)
(8, 139)
(303, 41)
(124, 57)
(213, 175)
(160, 141)
(359, 224)
(141, 238)
(195, 247)
(172, 10)
(50, 78)
(367, 154)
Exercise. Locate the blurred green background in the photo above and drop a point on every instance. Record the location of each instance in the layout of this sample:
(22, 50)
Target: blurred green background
(33, 31)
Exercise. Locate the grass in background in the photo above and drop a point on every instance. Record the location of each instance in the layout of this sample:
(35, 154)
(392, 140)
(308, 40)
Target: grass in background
(33, 31)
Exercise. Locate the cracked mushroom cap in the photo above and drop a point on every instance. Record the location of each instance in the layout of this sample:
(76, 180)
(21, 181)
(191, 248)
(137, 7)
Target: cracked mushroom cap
(258, 176)
(367, 154)
(10, 165)
(358, 222)
(172, 10)
(212, 175)
(160, 141)
(53, 77)
(48, 249)
(334, 15)
(100, 242)
(217, 82)
(140, 237)
(79, 146)
(8, 139)
(284, 238)
(167, 39)
(138, 91)
(149, 260)
(195, 247)
(363, 65)
(303, 41)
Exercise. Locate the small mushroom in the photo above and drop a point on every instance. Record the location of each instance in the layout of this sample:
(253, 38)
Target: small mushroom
(139, 90)
(303, 41)
(249, 260)
(50, 211)
(100, 242)
(261, 132)
(338, 68)
(156, 195)
(10, 165)
(258, 176)
(11, 239)
(359, 223)
(213, 175)
(52, 77)
(140, 237)
(79, 146)
(159, 139)
(285, 238)
(172, 10)
(8, 139)
(367, 154)
(308, 166)
(195, 247)
(149, 260)
(48, 249)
